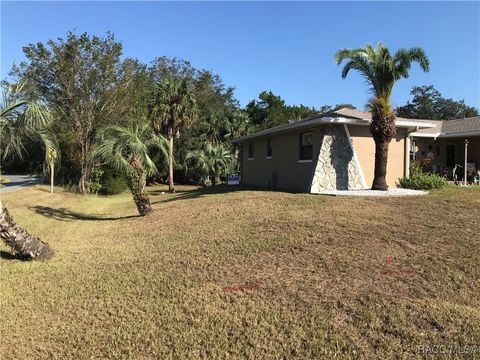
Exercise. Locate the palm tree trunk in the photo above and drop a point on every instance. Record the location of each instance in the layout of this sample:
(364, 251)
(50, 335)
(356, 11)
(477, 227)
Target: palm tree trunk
(381, 158)
(21, 241)
(383, 131)
(171, 187)
(137, 180)
(51, 178)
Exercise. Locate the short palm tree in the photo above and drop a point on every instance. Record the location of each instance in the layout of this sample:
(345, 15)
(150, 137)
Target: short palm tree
(381, 71)
(213, 160)
(128, 150)
(172, 104)
(22, 118)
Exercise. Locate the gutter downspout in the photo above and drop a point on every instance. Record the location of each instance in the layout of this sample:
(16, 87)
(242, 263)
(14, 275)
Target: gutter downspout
(406, 169)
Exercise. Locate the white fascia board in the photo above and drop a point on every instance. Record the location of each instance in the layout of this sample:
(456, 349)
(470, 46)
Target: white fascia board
(425, 135)
(418, 125)
(465, 133)
(343, 120)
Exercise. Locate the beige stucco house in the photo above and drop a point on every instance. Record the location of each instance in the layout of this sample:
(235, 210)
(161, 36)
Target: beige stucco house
(445, 145)
(325, 152)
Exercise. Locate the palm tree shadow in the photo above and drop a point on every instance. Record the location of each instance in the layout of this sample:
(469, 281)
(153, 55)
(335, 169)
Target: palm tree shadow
(4, 255)
(64, 214)
(206, 191)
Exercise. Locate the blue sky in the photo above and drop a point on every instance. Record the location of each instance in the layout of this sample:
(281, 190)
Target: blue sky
(285, 47)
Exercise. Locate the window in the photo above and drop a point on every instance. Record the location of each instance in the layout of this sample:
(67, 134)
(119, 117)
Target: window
(306, 146)
(251, 153)
(269, 148)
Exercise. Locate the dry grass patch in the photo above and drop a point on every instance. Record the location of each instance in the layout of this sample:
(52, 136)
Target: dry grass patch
(215, 273)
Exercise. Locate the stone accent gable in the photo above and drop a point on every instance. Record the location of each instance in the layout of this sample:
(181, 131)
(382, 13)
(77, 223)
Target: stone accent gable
(337, 167)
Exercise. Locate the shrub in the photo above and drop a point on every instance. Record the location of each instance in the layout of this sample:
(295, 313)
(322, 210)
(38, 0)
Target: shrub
(113, 183)
(93, 184)
(423, 181)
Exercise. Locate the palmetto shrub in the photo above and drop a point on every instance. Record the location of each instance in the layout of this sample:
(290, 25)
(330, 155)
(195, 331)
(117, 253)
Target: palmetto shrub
(423, 181)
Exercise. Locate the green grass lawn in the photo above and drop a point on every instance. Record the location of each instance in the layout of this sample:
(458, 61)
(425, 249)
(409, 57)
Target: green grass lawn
(215, 273)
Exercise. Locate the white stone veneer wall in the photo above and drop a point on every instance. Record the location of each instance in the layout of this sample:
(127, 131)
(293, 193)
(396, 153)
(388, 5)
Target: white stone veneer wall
(337, 167)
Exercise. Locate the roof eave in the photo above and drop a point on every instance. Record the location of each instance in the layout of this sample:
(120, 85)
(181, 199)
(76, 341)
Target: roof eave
(303, 124)
(465, 133)
(329, 120)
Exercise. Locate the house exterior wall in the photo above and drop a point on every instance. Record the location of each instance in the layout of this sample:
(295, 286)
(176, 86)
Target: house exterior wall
(285, 171)
(290, 173)
(439, 150)
(365, 148)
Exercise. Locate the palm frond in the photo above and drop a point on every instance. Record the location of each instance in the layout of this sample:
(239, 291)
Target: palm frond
(118, 145)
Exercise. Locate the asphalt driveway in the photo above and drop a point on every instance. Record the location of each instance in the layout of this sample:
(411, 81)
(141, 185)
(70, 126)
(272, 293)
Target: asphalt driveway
(18, 182)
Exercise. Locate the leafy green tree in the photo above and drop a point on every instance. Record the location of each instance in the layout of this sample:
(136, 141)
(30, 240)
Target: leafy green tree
(212, 160)
(22, 118)
(171, 106)
(344, 105)
(381, 71)
(128, 150)
(271, 110)
(428, 103)
(87, 87)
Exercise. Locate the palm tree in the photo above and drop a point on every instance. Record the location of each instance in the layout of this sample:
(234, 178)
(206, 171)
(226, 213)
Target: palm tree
(381, 70)
(213, 160)
(172, 104)
(22, 118)
(213, 128)
(127, 150)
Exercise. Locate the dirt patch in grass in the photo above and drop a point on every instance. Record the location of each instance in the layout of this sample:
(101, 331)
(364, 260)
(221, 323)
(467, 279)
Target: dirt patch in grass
(217, 273)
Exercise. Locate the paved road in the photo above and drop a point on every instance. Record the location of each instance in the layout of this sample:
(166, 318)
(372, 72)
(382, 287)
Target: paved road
(18, 182)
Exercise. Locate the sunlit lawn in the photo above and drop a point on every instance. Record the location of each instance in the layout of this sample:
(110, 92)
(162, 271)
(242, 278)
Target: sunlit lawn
(215, 273)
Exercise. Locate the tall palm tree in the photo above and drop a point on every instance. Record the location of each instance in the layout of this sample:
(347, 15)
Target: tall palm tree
(20, 119)
(172, 104)
(213, 160)
(128, 150)
(381, 71)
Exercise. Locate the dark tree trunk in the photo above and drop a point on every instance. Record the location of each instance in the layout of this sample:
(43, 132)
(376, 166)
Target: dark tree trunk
(383, 131)
(137, 184)
(381, 157)
(21, 241)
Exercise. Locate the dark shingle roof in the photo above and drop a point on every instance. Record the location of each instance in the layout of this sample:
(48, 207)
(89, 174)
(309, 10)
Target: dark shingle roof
(449, 128)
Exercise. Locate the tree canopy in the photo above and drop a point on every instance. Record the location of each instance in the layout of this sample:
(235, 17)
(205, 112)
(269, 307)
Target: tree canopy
(88, 85)
(428, 103)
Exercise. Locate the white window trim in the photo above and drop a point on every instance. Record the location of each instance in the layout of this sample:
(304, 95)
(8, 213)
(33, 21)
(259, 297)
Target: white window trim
(251, 158)
(305, 161)
(268, 157)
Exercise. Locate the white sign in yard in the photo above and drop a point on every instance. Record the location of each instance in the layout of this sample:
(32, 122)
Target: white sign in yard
(233, 180)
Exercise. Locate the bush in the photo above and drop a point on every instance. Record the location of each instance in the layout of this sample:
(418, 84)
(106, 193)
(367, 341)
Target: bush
(93, 184)
(423, 181)
(112, 183)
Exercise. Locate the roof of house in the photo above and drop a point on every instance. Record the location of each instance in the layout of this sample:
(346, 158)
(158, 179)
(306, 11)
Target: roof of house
(452, 128)
(340, 116)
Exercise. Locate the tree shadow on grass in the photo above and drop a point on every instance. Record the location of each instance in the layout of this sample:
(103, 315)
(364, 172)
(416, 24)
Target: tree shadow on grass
(12, 256)
(64, 214)
(206, 191)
